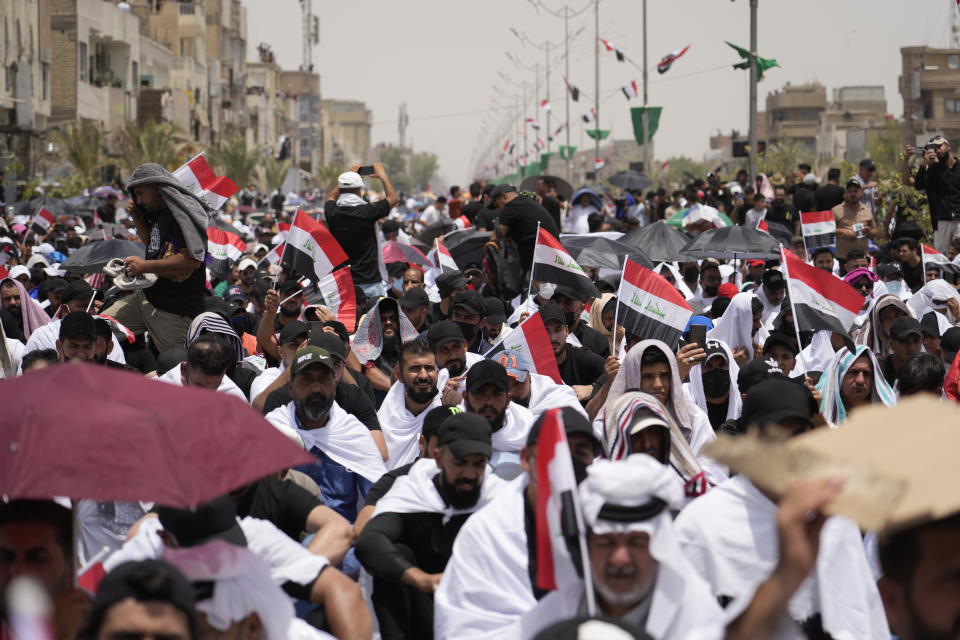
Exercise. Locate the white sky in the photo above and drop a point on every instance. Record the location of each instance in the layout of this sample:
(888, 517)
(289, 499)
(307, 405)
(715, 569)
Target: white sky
(442, 58)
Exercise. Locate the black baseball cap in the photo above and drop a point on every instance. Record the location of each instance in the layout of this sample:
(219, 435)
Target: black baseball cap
(773, 280)
(853, 182)
(124, 582)
(328, 342)
(465, 434)
(310, 355)
(487, 372)
(449, 281)
(569, 292)
(776, 399)
(414, 298)
(868, 164)
(443, 332)
(213, 520)
(905, 326)
(78, 324)
(550, 311)
(950, 343)
(293, 331)
(77, 290)
(501, 189)
(781, 338)
(713, 349)
(495, 311)
(755, 372)
(471, 302)
(235, 294)
(929, 325)
(573, 422)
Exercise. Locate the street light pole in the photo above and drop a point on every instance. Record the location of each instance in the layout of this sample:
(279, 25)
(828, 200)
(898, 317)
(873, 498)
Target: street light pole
(752, 163)
(646, 115)
(596, 85)
(566, 79)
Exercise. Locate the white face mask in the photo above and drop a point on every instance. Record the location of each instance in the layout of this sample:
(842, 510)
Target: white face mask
(894, 287)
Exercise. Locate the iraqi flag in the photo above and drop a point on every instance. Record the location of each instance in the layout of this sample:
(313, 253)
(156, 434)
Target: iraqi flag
(311, 249)
(530, 341)
(559, 519)
(532, 122)
(574, 91)
(612, 47)
(821, 301)
(335, 292)
(272, 257)
(225, 248)
(42, 221)
(598, 163)
(763, 226)
(819, 228)
(545, 105)
(552, 263)
(650, 307)
(444, 259)
(199, 178)
(664, 65)
(932, 257)
(589, 116)
(630, 90)
(462, 222)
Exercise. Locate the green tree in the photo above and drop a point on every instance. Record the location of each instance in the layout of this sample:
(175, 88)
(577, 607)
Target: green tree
(327, 175)
(82, 146)
(394, 161)
(781, 158)
(423, 166)
(150, 142)
(274, 172)
(885, 146)
(681, 171)
(234, 159)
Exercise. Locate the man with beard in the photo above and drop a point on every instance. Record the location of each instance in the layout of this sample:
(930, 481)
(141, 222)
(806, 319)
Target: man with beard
(407, 543)
(939, 177)
(276, 315)
(450, 347)
(408, 401)
(532, 390)
(380, 370)
(25, 310)
(706, 293)
(348, 460)
(449, 284)
(487, 393)
(469, 312)
(416, 306)
(579, 367)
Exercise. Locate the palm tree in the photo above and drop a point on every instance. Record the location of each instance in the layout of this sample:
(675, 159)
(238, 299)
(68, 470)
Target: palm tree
(150, 142)
(82, 146)
(234, 159)
(274, 172)
(327, 174)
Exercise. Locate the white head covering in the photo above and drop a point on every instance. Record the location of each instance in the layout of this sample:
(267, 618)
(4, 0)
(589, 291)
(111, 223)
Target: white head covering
(678, 282)
(734, 402)
(735, 326)
(870, 332)
(922, 301)
(367, 342)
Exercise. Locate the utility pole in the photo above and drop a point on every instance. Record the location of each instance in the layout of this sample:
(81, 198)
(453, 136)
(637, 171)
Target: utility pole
(752, 165)
(646, 115)
(596, 85)
(403, 120)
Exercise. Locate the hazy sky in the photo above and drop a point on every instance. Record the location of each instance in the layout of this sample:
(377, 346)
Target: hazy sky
(442, 58)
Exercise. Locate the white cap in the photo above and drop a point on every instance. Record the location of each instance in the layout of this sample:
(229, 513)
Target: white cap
(810, 179)
(37, 259)
(54, 270)
(19, 270)
(258, 247)
(246, 263)
(350, 180)
(45, 247)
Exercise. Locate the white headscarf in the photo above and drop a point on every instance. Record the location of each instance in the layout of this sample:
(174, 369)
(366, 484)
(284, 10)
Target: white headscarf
(734, 402)
(678, 282)
(367, 342)
(870, 332)
(922, 301)
(735, 326)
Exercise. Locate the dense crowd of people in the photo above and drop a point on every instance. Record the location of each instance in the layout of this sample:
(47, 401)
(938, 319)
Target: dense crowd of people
(419, 516)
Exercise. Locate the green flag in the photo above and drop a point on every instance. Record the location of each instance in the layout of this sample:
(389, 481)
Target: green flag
(567, 152)
(545, 160)
(762, 63)
(653, 121)
(532, 169)
(598, 134)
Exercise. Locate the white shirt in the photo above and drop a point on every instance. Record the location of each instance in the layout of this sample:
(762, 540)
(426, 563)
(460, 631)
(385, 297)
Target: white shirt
(227, 385)
(264, 380)
(46, 337)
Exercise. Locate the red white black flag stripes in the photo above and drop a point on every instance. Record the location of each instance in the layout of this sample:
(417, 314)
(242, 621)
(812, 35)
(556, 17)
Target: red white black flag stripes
(335, 292)
(664, 65)
(820, 300)
(273, 257)
(650, 307)
(197, 176)
(225, 248)
(530, 341)
(819, 228)
(552, 263)
(42, 221)
(559, 518)
(930, 256)
(444, 259)
(311, 249)
(612, 47)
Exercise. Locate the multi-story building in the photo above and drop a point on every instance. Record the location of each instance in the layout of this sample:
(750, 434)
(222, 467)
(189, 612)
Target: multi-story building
(226, 40)
(265, 103)
(928, 86)
(301, 90)
(25, 57)
(347, 134)
(794, 112)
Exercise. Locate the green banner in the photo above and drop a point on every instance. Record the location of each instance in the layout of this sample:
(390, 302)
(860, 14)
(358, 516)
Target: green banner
(567, 152)
(545, 160)
(598, 134)
(762, 63)
(653, 122)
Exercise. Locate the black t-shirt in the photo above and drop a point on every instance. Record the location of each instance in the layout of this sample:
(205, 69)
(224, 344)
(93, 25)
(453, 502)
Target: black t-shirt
(350, 398)
(355, 228)
(593, 340)
(828, 196)
(471, 209)
(913, 276)
(521, 216)
(889, 373)
(552, 205)
(381, 486)
(804, 200)
(782, 214)
(141, 359)
(717, 414)
(487, 219)
(942, 185)
(581, 366)
(284, 503)
(183, 296)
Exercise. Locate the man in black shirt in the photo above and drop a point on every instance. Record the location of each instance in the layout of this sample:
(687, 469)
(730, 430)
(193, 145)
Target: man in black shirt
(520, 217)
(407, 543)
(353, 223)
(172, 224)
(547, 190)
(781, 212)
(906, 341)
(571, 303)
(939, 177)
(830, 194)
(580, 368)
(474, 205)
(803, 197)
(487, 215)
(911, 263)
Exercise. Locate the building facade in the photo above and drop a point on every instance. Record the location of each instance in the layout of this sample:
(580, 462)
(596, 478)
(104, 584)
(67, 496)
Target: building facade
(928, 87)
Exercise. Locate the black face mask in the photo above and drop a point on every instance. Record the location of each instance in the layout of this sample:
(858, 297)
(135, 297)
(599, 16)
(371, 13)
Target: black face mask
(690, 274)
(422, 397)
(711, 292)
(290, 314)
(716, 383)
(468, 330)
(579, 470)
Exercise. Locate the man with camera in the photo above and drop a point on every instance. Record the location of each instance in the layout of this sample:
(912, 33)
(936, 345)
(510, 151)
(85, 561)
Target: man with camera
(939, 177)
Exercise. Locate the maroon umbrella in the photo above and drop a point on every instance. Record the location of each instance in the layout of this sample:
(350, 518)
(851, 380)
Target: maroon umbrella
(394, 251)
(85, 431)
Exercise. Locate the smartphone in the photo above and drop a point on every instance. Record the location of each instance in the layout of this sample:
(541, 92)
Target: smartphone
(366, 170)
(698, 334)
(316, 328)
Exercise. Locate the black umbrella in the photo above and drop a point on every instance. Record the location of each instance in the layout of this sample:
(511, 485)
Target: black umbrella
(453, 238)
(470, 250)
(56, 206)
(92, 257)
(781, 232)
(431, 233)
(733, 242)
(629, 179)
(83, 204)
(658, 241)
(600, 252)
(564, 190)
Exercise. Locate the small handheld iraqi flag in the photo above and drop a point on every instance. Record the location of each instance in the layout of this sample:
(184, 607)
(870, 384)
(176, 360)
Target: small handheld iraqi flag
(598, 163)
(42, 221)
(589, 116)
(335, 292)
(649, 306)
(197, 176)
(559, 518)
(819, 228)
(552, 263)
(930, 256)
(545, 105)
(273, 257)
(311, 249)
(530, 340)
(444, 259)
(225, 248)
(612, 47)
(820, 300)
(664, 65)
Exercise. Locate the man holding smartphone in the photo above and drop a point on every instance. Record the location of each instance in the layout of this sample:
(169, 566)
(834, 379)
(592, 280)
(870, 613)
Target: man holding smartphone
(855, 222)
(939, 177)
(353, 222)
(172, 224)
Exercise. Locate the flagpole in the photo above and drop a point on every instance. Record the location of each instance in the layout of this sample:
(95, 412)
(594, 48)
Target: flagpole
(793, 308)
(616, 312)
(596, 85)
(530, 281)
